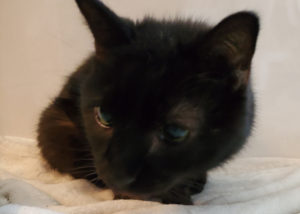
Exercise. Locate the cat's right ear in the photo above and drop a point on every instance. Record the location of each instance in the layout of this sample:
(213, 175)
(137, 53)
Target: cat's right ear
(108, 29)
(233, 41)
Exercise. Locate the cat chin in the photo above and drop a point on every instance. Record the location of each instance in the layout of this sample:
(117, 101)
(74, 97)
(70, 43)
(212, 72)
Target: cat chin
(139, 196)
(130, 195)
(139, 192)
(151, 194)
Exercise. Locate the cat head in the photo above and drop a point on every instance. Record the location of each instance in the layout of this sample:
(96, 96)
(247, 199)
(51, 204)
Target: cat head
(165, 101)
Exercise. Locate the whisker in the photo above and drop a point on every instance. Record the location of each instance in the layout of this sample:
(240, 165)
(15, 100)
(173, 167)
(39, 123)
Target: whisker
(194, 183)
(94, 180)
(83, 169)
(91, 174)
(78, 149)
(176, 193)
(84, 159)
(80, 171)
(195, 186)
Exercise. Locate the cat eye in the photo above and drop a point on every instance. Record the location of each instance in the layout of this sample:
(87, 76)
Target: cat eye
(103, 118)
(174, 134)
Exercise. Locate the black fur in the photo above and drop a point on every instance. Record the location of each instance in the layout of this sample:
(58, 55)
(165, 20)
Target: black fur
(146, 75)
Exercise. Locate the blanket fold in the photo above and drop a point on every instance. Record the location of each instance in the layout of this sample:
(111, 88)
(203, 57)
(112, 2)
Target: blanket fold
(249, 185)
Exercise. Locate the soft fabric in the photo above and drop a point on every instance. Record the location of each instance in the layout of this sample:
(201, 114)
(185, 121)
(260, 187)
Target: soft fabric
(252, 185)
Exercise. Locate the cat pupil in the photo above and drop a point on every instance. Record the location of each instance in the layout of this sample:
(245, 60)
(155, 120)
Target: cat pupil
(103, 118)
(174, 133)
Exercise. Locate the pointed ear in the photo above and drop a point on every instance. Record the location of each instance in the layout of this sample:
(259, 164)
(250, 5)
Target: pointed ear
(108, 29)
(234, 40)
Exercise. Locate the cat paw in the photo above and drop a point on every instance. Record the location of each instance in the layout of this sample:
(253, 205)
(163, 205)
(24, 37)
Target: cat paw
(182, 194)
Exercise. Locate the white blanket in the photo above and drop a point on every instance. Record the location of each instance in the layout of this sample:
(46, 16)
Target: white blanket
(252, 185)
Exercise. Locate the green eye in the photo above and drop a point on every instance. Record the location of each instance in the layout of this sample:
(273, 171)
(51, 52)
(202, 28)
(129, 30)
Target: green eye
(174, 133)
(104, 119)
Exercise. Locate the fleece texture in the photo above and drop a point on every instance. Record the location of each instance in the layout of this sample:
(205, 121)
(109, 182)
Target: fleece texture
(249, 185)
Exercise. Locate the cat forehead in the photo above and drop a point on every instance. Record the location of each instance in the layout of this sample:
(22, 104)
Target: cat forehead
(152, 84)
(185, 107)
(169, 32)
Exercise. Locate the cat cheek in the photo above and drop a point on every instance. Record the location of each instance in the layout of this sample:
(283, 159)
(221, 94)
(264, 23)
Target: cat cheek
(99, 141)
(99, 136)
(104, 134)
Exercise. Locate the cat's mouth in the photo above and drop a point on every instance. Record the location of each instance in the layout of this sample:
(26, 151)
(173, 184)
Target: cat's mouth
(146, 183)
(137, 188)
(129, 195)
(152, 194)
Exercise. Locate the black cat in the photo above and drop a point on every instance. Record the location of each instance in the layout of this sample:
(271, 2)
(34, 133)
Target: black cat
(158, 104)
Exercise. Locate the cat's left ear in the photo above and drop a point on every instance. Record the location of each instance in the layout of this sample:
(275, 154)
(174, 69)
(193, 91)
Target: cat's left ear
(233, 40)
(108, 29)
